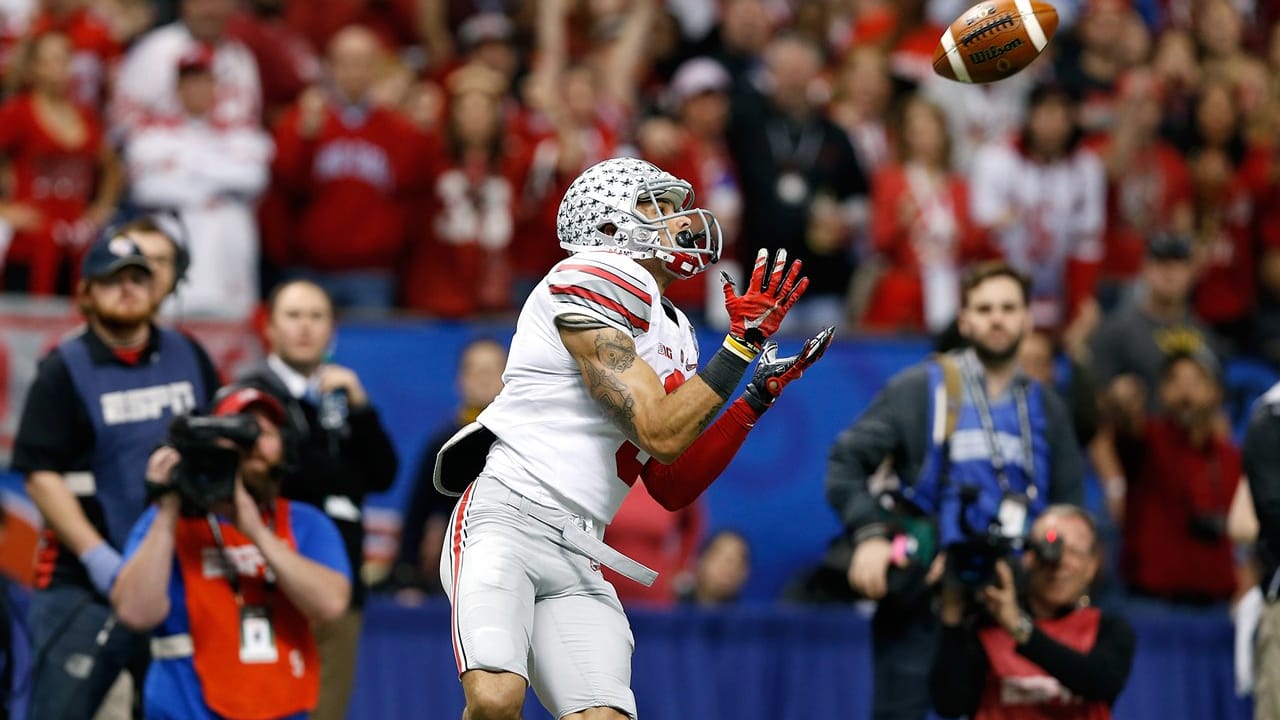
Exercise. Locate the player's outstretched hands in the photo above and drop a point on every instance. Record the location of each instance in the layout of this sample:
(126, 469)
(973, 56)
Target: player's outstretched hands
(773, 373)
(755, 314)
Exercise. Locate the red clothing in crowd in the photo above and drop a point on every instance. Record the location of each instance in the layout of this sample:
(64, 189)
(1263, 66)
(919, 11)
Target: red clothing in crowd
(56, 179)
(1155, 186)
(1226, 290)
(94, 49)
(537, 247)
(666, 541)
(395, 21)
(286, 62)
(460, 264)
(897, 302)
(348, 188)
(1174, 487)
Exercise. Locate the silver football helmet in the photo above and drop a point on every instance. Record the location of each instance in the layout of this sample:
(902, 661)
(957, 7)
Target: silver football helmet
(601, 210)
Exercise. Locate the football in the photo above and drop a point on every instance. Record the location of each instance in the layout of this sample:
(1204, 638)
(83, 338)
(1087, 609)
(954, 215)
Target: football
(995, 39)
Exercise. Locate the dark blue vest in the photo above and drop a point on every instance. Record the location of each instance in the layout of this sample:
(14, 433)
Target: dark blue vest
(937, 491)
(130, 408)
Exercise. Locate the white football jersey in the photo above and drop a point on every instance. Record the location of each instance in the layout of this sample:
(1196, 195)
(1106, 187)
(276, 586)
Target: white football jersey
(555, 444)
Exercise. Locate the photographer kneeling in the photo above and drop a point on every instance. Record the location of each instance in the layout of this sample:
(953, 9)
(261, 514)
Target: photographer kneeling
(230, 577)
(1044, 654)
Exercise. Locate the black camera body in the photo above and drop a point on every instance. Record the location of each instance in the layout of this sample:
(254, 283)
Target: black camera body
(972, 561)
(206, 474)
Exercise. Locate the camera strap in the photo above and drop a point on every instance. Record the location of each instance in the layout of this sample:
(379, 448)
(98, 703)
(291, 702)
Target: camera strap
(978, 391)
(229, 570)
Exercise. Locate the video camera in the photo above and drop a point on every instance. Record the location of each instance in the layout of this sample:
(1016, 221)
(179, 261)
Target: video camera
(206, 474)
(972, 561)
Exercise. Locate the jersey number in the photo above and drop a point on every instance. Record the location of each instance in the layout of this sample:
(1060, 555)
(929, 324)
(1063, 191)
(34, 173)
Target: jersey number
(628, 462)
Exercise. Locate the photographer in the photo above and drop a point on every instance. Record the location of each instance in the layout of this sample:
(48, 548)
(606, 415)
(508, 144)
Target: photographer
(926, 444)
(229, 577)
(343, 453)
(1046, 653)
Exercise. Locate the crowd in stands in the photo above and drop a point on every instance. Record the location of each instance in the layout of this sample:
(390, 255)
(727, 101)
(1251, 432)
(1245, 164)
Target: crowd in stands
(409, 156)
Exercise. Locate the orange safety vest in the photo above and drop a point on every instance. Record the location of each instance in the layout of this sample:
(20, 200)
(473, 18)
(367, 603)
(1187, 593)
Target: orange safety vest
(232, 688)
(1018, 689)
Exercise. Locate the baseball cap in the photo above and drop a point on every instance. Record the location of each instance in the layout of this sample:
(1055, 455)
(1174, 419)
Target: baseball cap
(1169, 246)
(197, 59)
(237, 399)
(111, 254)
(485, 27)
(699, 75)
(1200, 355)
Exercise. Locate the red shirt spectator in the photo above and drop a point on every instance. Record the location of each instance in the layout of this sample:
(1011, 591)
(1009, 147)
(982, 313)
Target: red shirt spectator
(921, 228)
(59, 163)
(1226, 290)
(666, 541)
(348, 181)
(461, 265)
(1152, 190)
(1182, 475)
(94, 49)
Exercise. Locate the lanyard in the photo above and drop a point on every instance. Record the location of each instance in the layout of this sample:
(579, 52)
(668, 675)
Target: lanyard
(971, 374)
(798, 156)
(229, 570)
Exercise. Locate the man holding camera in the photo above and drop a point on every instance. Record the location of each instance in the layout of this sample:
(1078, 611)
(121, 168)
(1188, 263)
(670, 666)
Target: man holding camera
(230, 577)
(1055, 655)
(100, 403)
(343, 452)
(968, 451)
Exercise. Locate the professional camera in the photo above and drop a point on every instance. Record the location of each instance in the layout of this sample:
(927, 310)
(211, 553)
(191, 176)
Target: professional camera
(972, 561)
(206, 474)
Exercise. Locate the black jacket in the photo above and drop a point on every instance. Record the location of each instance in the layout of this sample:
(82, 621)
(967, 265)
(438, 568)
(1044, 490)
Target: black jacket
(960, 666)
(1262, 467)
(349, 466)
(895, 426)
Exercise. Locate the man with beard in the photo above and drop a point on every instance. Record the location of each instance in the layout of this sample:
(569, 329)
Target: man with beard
(232, 584)
(1183, 472)
(100, 403)
(916, 473)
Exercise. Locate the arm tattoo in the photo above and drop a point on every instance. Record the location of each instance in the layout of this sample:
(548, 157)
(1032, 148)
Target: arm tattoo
(614, 353)
(706, 419)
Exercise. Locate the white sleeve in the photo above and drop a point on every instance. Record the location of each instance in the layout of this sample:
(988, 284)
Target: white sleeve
(140, 86)
(162, 170)
(238, 162)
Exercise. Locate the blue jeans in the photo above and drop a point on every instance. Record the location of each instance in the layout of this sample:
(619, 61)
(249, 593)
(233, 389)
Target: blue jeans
(80, 649)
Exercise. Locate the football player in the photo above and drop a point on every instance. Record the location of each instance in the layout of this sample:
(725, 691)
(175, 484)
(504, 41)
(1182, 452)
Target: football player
(603, 388)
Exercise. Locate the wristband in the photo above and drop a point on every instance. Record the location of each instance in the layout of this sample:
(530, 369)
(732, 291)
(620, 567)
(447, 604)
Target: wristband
(102, 562)
(724, 371)
(741, 348)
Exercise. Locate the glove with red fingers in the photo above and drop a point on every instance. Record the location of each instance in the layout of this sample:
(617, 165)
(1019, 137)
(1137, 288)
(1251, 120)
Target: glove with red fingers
(756, 314)
(773, 373)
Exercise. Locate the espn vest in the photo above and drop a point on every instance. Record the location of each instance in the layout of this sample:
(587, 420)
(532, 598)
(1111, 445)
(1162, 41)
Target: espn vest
(130, 408)
(232, 688)
(961, 458)
(1018, 689)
